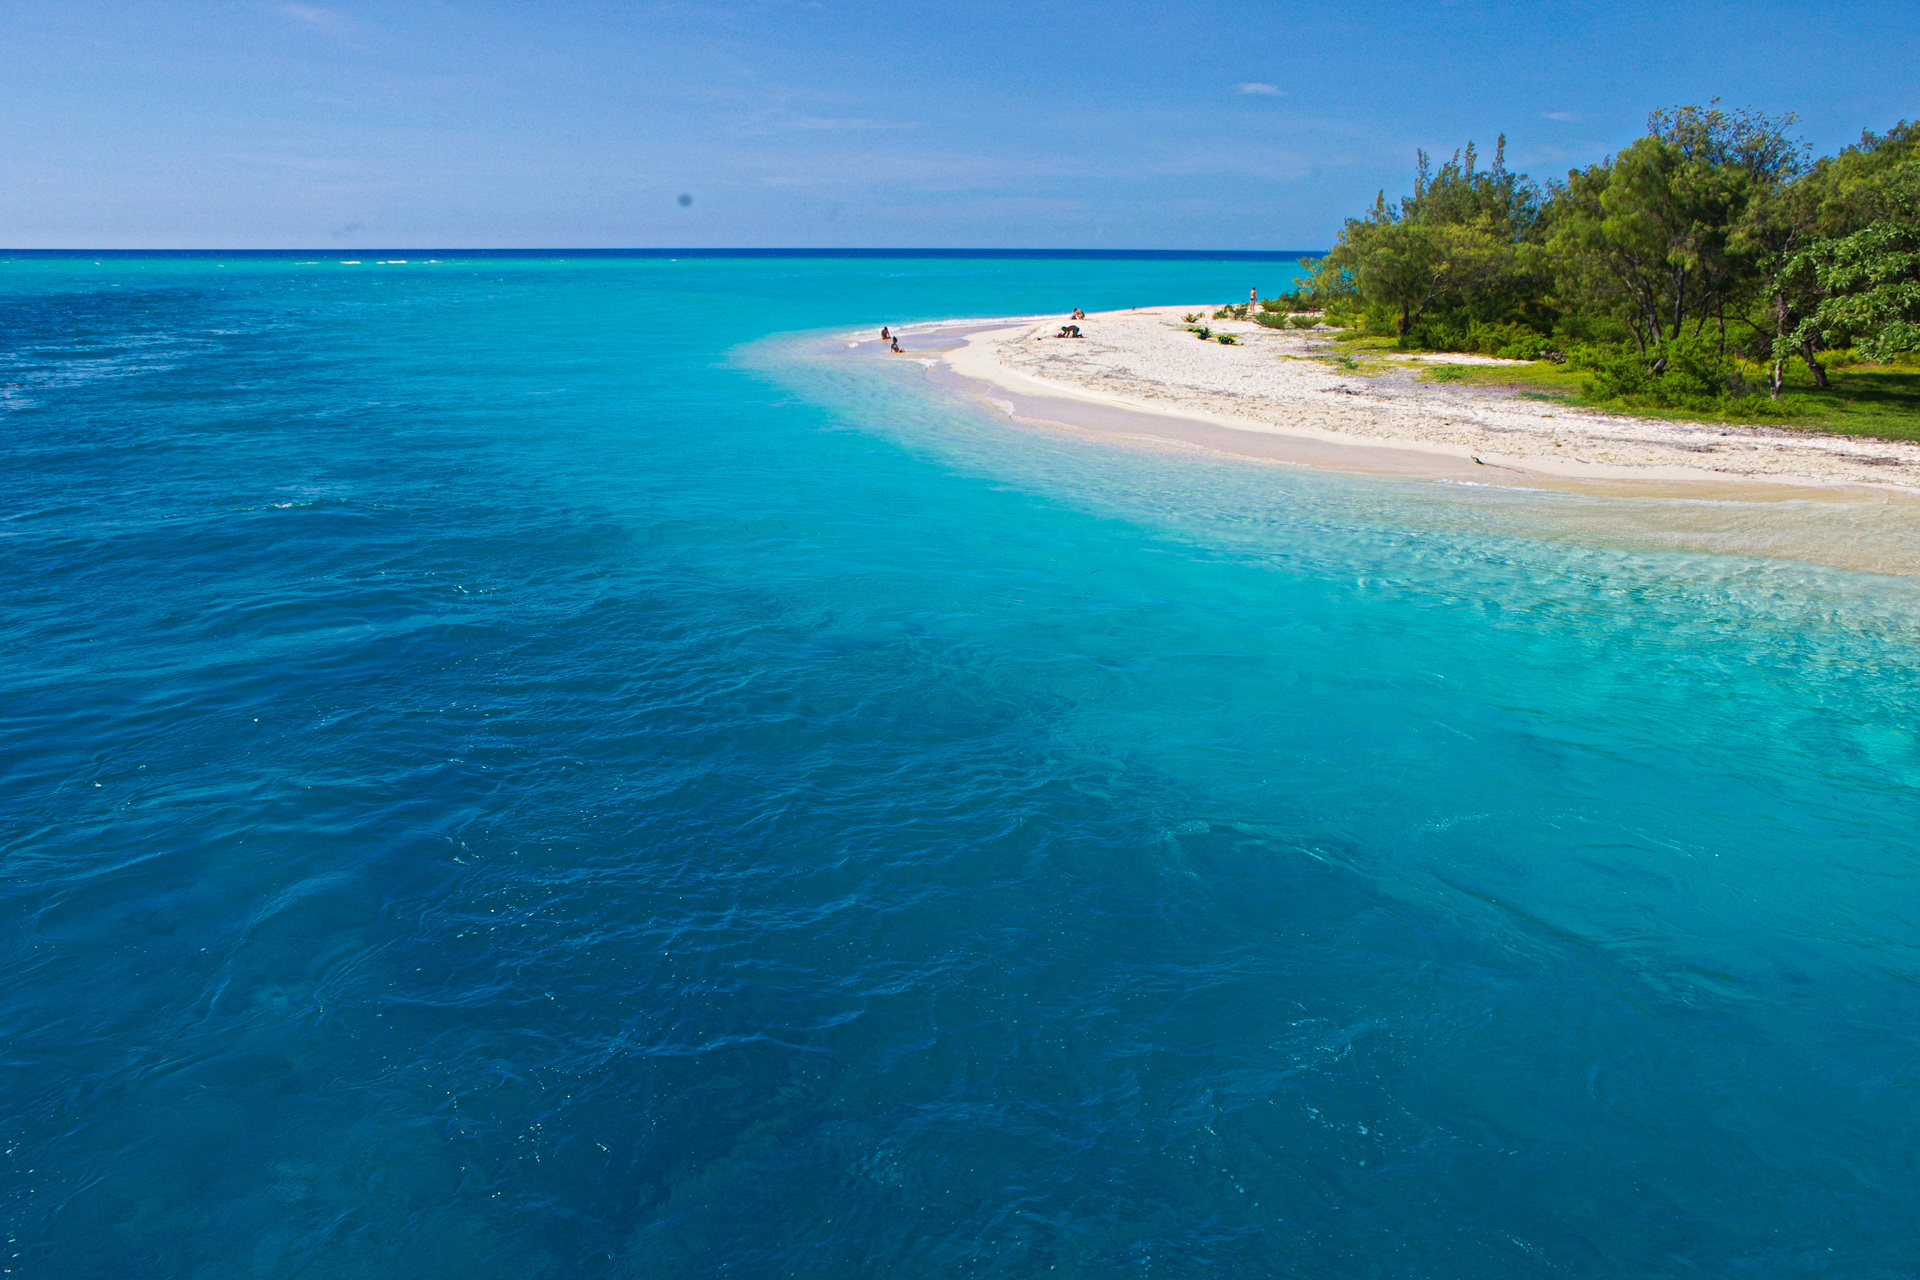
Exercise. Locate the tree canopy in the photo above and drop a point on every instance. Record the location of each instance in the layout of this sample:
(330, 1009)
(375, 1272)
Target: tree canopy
(1714, 238)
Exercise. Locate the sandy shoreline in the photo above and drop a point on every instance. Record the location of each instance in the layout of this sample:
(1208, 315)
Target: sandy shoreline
(1140, 381)
(1275, 395)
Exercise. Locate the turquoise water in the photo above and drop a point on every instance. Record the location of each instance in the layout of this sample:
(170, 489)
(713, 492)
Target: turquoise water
(523, 768)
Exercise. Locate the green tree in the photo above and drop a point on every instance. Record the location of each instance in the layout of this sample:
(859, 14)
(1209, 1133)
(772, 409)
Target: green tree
(1875, 182)
(1870, 291)
(1394, 264)
(1648, 237)
(1453, 243)
(1710, 236)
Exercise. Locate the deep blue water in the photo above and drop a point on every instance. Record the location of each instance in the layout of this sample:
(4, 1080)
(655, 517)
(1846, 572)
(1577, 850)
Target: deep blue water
(514, 768)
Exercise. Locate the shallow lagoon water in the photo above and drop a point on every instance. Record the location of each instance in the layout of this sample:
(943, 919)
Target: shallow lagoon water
(513, 768)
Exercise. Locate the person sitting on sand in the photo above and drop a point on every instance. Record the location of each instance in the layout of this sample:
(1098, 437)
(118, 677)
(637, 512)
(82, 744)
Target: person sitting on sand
(896, 344)
(884, 335)
(1078, 314)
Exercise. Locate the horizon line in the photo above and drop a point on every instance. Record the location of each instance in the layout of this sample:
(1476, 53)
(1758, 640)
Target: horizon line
(742, 251)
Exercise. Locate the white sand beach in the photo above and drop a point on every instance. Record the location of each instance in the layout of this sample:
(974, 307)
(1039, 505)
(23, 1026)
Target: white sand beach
(1286, 384)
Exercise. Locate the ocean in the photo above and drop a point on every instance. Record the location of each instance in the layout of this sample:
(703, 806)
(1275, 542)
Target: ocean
(535, 766)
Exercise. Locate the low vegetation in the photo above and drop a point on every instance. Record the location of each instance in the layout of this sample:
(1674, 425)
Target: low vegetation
(1859, 399)
(1280, 318)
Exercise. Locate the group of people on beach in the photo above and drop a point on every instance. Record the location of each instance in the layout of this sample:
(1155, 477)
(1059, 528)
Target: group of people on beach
(892, 339)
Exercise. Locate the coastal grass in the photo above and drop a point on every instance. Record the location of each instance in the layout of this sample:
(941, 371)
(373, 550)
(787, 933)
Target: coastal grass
(1880, 401)
(1363, 365)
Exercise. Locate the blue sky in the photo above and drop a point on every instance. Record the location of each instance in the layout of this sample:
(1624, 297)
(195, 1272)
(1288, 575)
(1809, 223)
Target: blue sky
(1245, 125)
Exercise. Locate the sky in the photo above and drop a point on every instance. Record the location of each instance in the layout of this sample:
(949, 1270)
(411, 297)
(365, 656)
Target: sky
(1250, 124)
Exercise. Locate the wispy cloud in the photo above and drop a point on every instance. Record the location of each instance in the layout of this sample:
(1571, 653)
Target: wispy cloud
(1558, 115)
(1255, 86)
(311, 15)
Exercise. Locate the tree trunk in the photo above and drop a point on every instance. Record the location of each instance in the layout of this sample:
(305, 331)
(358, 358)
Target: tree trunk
(1406, 323)
(1782, 324)
(1651, 344)
(1819, 370)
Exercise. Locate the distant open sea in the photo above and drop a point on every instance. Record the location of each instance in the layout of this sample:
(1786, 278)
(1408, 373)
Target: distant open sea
(521, 767)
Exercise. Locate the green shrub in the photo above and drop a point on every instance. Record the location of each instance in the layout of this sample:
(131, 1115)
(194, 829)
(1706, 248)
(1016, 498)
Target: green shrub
(1200, 331)
(1376, 319)
(1282, 320)
(1683, 373)
(1615, 372)
(1191, 318)
(1297, 300)
(1509, 341)
(1226, 339)
(1531, 349)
